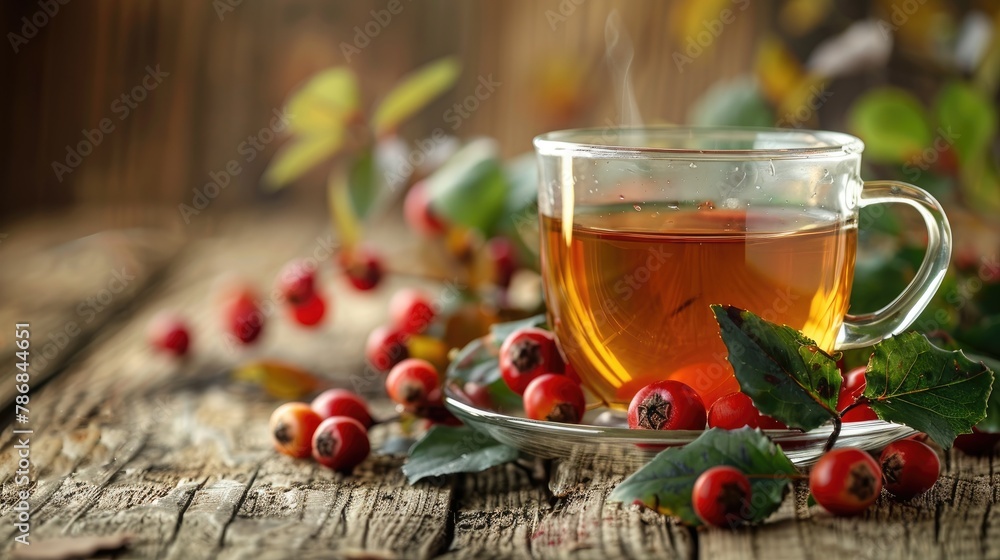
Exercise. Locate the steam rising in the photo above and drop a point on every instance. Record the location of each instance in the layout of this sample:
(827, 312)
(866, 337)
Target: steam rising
(618, 52)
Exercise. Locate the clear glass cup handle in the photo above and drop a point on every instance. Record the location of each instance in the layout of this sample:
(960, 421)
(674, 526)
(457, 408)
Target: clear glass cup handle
(869, 328)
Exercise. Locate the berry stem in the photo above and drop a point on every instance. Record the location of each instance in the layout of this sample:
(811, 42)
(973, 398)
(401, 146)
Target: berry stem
(837, 423)
(857, 403)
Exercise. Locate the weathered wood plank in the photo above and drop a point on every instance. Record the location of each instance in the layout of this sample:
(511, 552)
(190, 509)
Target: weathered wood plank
(503, 513)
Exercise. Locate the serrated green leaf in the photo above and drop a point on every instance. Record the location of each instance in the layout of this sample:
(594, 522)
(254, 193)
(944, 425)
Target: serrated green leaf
(447, 450)
(414, 92)
(734, 103)
(785, 374)
(967, 118)
(298, 156)
(665, 483)
(470, 189)
(500, 331)
(910, 381)
(325, 103)
(990, 424)
(892, 123)
(361, 184)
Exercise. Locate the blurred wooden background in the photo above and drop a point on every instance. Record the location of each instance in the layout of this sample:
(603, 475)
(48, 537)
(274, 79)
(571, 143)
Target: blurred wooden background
(230, 66)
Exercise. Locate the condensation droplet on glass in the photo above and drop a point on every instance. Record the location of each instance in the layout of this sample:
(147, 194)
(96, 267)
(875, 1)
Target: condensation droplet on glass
(770, 166)
(692, 165)
(757, 187)
(673, 206)
(637, 207)
(707, 205)
(621, 197)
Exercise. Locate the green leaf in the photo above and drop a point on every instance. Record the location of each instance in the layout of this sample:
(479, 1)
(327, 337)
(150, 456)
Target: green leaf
(785, 374)
(361, 184)
(414, 92)
(520, 215)
(734, 103)
(325, 103)
(500, 331)
(910, 381)
(665, 483)
(990, 424)
(298, 156)
(981, 335)
(447, 450)
(967, 118)
(470, 189)
(893, 124)
(522, 176)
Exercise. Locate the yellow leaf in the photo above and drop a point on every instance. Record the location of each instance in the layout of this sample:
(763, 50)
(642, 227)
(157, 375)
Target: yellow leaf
(325, 103)
(278, 379)
(345, 221)
(778, 71)
(414, 92)
(300, 155)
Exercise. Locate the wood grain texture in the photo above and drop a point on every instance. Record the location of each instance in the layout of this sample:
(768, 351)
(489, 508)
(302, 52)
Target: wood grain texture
(177, 456)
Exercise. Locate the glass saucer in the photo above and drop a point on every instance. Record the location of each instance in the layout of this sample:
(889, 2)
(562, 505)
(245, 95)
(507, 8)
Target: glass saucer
(605, 433)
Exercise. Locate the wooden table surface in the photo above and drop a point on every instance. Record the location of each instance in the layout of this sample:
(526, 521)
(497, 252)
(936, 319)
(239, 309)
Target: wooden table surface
(178, 456)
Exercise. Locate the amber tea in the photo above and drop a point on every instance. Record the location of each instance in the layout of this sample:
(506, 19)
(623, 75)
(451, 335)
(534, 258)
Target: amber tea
(629, 288)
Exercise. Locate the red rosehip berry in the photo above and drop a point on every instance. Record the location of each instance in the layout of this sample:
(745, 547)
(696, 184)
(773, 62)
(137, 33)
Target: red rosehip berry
(363, 268)
(341, 402)
(977, 443)
(554, 397)
(410, 311)
(411, 382)
(721, 497)
(526, 354)
(340, 443)
(292, 428)
(385, 348)
(169, 333)
(850, 391)
(846, 481)
(246, 320)
(418, 213)
(666, 405)
(503, 255)
(736, 410)
(310, 312)
(297, 281)
(909, 468)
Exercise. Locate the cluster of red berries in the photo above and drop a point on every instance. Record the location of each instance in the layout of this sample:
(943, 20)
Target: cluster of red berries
(532, 366)
(844, 481)
(295, 285)
(333, 429)
(410, 313)
(672, 405)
